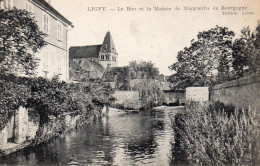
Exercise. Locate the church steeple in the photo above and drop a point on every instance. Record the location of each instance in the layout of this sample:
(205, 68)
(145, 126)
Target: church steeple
(108, 45)
(108, 54)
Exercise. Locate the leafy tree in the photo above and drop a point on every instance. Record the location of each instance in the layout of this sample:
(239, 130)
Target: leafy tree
(143, 70)
(246, 52)
(20, 39)
(209, 56)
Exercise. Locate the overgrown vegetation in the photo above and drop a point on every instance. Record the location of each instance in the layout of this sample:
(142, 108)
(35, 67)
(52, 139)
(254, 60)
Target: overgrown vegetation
(50, 97)
(214, 134)
(139, 76)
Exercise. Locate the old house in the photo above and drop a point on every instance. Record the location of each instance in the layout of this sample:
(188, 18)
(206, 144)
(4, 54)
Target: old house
(91, 61)
(54, 58)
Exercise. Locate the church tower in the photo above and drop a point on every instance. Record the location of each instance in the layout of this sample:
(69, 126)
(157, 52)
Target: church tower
(108, 53)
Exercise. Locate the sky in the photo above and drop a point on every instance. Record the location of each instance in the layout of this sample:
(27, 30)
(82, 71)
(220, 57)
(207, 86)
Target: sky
(155, 36)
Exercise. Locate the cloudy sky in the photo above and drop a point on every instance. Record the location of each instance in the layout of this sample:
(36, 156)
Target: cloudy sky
(151, 35)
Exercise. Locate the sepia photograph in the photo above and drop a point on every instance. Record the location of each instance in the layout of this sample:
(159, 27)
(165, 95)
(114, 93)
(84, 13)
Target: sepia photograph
(130, 82)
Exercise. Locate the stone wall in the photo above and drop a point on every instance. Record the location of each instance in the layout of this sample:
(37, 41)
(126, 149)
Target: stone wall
(17, 129)
(197, 94)
(29, 132)
(174, 97)
(21, 125)
(243, 92)
(127, 99)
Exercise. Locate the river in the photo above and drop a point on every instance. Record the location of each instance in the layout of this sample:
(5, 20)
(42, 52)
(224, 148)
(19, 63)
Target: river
(142, 138)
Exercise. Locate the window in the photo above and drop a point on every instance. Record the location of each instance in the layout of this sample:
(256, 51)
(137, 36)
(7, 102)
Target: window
(46, 23)
(28, 7)
(107, 57)
(59, 31)
(102, 57)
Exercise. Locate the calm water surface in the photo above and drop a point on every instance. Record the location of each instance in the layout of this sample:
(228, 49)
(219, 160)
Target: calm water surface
(127, 139)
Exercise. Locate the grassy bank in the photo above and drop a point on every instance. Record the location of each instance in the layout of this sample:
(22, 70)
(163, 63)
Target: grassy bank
(214, 134)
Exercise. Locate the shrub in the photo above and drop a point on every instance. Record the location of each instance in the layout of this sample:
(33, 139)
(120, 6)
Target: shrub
(211, 134)
(50, 97)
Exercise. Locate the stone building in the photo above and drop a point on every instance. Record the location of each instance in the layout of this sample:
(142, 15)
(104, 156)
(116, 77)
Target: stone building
(54, 58)
(92, 60)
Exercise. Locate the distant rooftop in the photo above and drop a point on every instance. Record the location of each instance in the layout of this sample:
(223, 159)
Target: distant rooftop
(84, 51)
(89, 51)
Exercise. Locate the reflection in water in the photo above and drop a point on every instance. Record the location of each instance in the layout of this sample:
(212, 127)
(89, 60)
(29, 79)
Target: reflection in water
(127, 139)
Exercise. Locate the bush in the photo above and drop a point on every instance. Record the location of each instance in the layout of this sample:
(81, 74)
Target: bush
(212, 134)
(50, 97)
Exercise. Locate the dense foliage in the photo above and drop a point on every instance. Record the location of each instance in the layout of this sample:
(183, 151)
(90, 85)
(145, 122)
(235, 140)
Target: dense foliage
(12, 96)
(20, 39)
(246, 52)
(51, 97)
(150, 91)
(143, 69)
(143, 77)
(135, 70)
(214, 58)
(210, 54)
(214, 134)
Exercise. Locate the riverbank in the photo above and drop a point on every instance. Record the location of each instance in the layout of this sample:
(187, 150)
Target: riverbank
(141, 138)
(33, 110)
(43, 133)
(160, 108)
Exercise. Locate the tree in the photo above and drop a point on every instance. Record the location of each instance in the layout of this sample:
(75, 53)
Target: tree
(209, 56)
(246, 52)
(20, 39)
(143, 69)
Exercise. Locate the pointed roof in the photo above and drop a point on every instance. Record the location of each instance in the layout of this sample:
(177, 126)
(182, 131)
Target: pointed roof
(108, 45)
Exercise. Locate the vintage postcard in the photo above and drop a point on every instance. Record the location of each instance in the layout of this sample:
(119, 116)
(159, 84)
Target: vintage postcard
(129, 82)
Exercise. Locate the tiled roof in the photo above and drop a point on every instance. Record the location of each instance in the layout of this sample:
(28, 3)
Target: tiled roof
(48, 7)
(91, 66)
(84, 51)
(108, 44)
(79, 70)
(75, 66)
